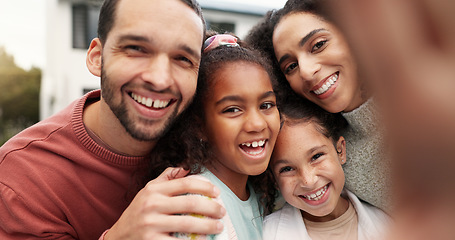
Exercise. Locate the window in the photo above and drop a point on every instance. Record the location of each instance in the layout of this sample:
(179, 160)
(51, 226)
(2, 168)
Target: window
(85, 24)
(221, 27)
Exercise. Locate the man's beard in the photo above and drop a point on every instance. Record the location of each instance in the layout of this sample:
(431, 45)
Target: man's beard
(131, 125)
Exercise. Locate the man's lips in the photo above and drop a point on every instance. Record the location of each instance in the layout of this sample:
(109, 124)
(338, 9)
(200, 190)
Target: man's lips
(151, 103)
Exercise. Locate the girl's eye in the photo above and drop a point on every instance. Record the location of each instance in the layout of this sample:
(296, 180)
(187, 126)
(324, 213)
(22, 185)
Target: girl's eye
(318, 45)
(316, 156)
(267, 105)
(285, 169)
(290, 68)
(231, 110)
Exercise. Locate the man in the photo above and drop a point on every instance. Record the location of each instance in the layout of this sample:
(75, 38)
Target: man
(77, 174)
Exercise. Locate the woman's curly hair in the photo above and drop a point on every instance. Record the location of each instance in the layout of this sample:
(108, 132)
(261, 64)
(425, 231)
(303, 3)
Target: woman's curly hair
(260, 37)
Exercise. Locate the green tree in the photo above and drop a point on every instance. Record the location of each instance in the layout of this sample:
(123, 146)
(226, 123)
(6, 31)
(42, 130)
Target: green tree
(19, 98)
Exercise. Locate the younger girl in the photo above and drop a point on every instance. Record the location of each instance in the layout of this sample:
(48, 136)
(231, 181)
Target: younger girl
(228, 133)
(306, 164)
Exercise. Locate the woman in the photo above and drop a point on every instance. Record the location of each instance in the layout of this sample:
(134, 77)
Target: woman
(314, 60)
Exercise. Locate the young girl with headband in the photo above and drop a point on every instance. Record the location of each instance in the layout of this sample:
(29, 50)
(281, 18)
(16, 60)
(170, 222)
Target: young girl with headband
(228, 133)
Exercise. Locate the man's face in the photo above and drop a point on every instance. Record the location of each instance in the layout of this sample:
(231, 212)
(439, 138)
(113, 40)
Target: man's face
(150, 63)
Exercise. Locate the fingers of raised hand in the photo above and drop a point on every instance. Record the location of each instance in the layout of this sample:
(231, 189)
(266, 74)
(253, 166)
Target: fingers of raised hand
(181, 186)
(185, 224)
(183, 204)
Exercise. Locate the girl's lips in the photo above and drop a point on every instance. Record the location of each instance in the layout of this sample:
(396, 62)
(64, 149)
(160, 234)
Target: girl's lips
(318, 197)
(254, 148)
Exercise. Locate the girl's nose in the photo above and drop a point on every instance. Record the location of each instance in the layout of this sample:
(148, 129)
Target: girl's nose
(255, 122)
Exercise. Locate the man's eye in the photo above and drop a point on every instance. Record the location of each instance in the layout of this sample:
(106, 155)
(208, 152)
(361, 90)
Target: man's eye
(134, 48)
(185, 59)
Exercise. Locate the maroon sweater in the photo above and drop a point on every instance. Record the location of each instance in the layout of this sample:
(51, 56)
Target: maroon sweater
(56, 182)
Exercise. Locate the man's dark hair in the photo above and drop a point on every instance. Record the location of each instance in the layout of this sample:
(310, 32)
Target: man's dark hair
(108, 10)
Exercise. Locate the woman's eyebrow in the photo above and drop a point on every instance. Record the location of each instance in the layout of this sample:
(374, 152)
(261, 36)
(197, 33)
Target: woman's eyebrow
(302, 42)
(309, 35)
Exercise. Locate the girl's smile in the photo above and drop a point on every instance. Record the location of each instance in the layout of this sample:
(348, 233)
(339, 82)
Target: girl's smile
(307, 167)
(241, 122)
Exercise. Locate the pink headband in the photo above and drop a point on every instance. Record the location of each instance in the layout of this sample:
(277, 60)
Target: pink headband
(220, 40)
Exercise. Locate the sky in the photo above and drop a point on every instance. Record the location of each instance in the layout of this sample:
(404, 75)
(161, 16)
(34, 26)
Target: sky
(22, 28)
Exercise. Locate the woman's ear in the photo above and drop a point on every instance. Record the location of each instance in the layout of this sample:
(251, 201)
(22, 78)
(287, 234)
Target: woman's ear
(94, 55)
(341, 150)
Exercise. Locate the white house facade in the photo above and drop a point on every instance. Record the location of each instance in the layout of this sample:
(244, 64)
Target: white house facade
(70, 26)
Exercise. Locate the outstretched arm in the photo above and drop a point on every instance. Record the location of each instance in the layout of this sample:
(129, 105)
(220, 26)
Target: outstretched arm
(407, 50)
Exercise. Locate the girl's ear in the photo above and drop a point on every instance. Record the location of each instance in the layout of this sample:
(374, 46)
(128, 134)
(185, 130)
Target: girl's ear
(341, 150)
(93, 59)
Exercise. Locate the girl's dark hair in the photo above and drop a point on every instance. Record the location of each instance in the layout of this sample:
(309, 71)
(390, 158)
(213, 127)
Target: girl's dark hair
(261, 35)
(108, 10)
(183, 145)
(295, 109)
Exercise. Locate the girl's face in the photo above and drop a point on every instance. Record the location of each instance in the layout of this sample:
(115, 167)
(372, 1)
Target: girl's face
(307, 168)
(241, 120)
(317, 62)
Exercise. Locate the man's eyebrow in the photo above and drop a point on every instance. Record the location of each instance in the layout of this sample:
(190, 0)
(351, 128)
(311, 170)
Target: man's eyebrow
(138, 38)
(132, 37)
(301, 43)
(189, 50)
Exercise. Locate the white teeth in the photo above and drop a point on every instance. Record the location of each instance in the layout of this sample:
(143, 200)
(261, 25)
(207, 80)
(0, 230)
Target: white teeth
(318, 195)
(254, 144)
(150, 102)
(327, 84)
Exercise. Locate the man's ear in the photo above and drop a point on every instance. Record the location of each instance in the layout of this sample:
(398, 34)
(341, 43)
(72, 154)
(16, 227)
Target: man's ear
(94, 55)
(341, 150)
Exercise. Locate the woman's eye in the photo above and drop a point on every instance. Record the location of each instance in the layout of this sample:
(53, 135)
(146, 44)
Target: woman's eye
(316, 156)
(318, 45)
(268, 105)
(285, 169)
(290, 68)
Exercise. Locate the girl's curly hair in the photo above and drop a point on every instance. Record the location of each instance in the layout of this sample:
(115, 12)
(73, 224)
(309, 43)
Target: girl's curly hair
(182, 145)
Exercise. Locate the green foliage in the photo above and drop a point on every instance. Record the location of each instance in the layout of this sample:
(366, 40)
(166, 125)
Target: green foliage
(19, 96)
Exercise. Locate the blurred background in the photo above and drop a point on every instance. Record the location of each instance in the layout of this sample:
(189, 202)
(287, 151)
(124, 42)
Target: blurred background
(43, 45)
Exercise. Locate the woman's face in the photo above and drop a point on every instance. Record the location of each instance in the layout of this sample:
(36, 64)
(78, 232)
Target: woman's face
(317, 62)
